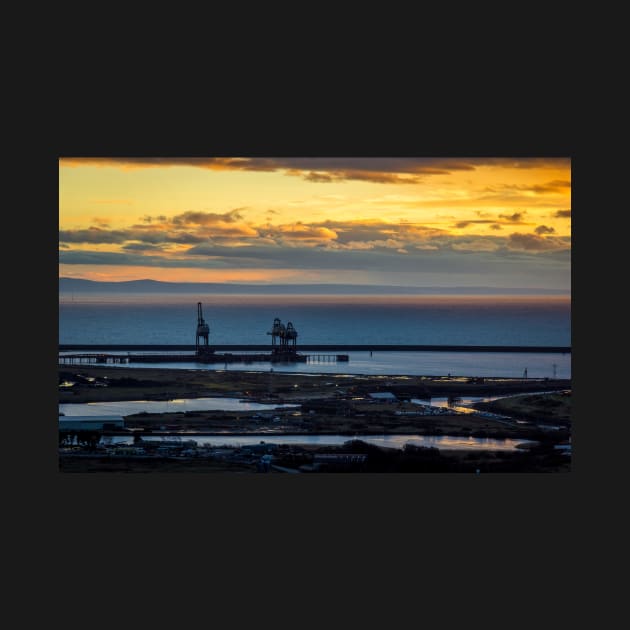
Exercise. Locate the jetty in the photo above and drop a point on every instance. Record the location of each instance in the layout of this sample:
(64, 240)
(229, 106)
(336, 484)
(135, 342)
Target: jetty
(283, 350)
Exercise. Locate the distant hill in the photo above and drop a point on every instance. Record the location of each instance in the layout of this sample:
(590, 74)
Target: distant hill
(75, 285)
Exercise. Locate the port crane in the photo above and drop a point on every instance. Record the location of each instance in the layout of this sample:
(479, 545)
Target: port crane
(277, 332)
(203, 330)
(290, 336)
(283, 338)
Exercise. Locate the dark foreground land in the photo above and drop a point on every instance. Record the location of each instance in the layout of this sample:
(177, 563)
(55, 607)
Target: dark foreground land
(327, 403)
(164, 384)
(411, 459)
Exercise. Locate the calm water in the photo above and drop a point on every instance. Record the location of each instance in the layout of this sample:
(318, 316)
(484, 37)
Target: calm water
(427, 320)
(125, 408)
(128, 407)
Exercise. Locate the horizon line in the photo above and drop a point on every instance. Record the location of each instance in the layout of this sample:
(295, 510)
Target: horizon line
(258, 285)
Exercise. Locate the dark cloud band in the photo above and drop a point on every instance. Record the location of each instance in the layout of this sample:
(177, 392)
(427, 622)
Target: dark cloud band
(329, 169)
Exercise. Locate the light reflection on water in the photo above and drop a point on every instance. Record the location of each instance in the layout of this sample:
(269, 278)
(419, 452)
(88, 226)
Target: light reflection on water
(458, 404)
(126, 408)
(463, 364)
(391, 441)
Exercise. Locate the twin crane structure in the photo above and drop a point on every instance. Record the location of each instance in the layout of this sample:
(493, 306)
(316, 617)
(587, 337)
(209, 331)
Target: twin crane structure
(283, 343)
(283, 350)
(283, 339)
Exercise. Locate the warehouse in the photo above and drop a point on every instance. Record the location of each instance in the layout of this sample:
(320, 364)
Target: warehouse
(90, 423)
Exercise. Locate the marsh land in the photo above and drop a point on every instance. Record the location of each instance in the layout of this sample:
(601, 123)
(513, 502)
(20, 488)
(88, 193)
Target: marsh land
(536, 411)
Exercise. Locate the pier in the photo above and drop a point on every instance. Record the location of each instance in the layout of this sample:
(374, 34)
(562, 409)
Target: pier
(207, 357)
(283, 350)
(68, 347)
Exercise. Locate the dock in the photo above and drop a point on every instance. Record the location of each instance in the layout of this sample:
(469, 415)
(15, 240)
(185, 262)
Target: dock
(283, 349)
(68, 347)
(206, 357)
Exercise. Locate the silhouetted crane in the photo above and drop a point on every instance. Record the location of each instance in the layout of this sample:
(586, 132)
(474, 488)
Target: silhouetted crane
(290, 336)
(283, 339)
(276, 332)
(203, 330)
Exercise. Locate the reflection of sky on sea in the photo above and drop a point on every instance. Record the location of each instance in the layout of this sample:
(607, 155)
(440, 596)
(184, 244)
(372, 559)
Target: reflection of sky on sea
(125, 408)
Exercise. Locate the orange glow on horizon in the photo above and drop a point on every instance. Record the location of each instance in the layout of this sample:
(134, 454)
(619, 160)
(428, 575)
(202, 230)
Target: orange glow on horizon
(114, 273)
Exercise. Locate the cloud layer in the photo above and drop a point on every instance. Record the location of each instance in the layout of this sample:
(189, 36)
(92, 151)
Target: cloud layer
(457, 215)
(325, 170)
(226, 241)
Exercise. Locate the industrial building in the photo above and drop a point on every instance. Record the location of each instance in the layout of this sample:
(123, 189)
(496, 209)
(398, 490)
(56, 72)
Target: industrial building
(90, 423)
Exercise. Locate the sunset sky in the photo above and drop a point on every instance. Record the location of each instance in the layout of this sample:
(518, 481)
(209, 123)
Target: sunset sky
(499, 222)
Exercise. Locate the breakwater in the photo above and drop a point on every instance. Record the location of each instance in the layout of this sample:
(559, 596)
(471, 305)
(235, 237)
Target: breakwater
(317, 347)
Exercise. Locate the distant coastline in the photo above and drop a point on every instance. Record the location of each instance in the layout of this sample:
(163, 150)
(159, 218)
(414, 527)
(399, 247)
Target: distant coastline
(70, 286)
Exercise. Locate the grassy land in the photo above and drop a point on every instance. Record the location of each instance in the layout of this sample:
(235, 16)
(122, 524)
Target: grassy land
(163, 384)
(553, 408)
(376, 421)
(329, 403)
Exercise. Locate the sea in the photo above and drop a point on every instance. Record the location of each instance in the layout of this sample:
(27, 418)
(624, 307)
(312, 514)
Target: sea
(478, 320)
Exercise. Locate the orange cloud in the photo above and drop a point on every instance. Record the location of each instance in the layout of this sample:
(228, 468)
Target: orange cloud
(476, 245)
(389, 243)
(534, 242)
(300, 231)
